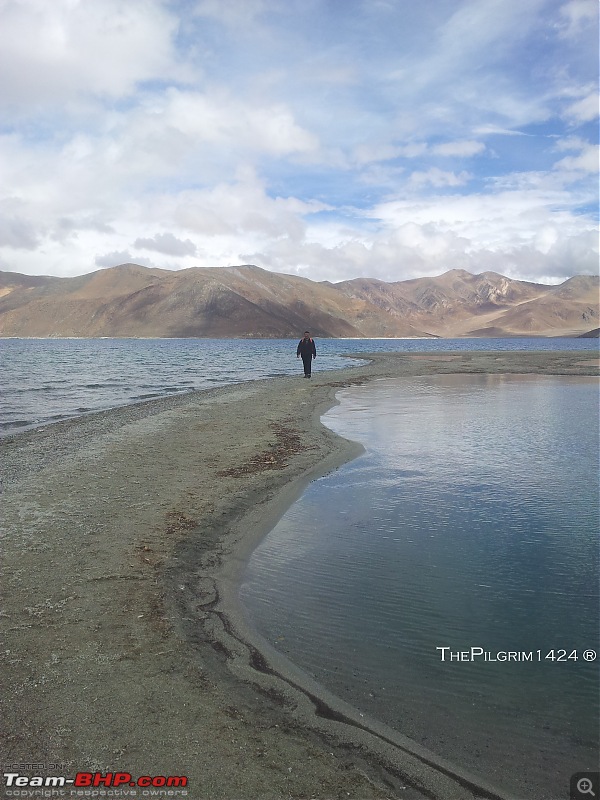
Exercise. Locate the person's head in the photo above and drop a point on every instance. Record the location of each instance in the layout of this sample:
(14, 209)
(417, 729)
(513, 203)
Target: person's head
(307, 334)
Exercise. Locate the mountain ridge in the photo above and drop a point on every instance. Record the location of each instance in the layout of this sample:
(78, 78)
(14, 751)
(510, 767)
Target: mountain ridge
(130, 300)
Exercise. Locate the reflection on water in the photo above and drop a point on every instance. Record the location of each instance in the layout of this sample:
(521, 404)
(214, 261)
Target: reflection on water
(471, 521)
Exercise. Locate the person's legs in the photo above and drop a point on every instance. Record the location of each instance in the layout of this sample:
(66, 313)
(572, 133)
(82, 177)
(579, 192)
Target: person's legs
(307, 361)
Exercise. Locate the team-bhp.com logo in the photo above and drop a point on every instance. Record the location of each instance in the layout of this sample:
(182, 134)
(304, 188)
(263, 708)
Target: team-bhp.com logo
(87, 780)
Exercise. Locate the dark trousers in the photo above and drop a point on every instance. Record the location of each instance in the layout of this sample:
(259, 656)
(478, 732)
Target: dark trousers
(307, 361)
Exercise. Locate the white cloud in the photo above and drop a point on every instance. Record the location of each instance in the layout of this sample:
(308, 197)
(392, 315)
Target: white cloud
(190, 120)
(495, 130)
(268, 128)
(241, 207)
(576, 17)
(16, 232)
(438, 178)
(584, 110)
(369, 153)
(463, 148)
(587, 161)
(235, 15)
(387, 140)
(167, 243)
(67, 49)
(114, 259)
(408, 249)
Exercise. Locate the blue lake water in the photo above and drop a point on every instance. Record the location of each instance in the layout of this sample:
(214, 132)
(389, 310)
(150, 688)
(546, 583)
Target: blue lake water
(46, 380)
(472, 520)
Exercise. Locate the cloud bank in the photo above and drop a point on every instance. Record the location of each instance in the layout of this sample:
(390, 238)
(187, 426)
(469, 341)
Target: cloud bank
(331, 140)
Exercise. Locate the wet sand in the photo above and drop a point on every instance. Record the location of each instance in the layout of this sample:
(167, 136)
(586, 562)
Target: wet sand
(123, 648)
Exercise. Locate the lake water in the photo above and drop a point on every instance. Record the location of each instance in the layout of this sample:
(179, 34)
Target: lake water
(46, 380)
(471, 520)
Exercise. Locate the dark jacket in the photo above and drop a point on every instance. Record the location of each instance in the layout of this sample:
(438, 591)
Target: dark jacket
(306, 348)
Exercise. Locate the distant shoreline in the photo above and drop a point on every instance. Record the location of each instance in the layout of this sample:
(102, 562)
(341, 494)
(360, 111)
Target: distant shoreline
(592, 334)
(126, 531)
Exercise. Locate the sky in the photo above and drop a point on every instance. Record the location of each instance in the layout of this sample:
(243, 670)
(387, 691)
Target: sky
(330, 139)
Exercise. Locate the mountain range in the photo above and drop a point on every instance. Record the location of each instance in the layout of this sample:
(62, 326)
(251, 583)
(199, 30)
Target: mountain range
(247, 301)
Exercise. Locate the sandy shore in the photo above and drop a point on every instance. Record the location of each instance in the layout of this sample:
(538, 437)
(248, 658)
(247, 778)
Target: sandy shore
(123, 649)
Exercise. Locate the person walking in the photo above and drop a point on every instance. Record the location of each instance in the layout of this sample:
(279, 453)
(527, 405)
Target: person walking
(306, 348)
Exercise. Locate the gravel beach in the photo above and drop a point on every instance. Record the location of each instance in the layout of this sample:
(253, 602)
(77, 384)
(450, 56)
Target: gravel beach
(123, 648)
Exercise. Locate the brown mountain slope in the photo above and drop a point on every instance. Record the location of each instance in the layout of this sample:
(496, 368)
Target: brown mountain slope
(14, 280)
(566, 310)
(451, 304)
(130, 300)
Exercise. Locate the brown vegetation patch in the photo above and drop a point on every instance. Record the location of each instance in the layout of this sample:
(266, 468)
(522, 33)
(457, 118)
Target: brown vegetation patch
(288, 442)
(178, 521)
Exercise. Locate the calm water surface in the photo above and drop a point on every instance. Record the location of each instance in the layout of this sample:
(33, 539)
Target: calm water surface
(470, 521)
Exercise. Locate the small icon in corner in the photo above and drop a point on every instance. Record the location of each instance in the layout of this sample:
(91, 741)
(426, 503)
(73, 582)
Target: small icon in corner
(585, 785)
